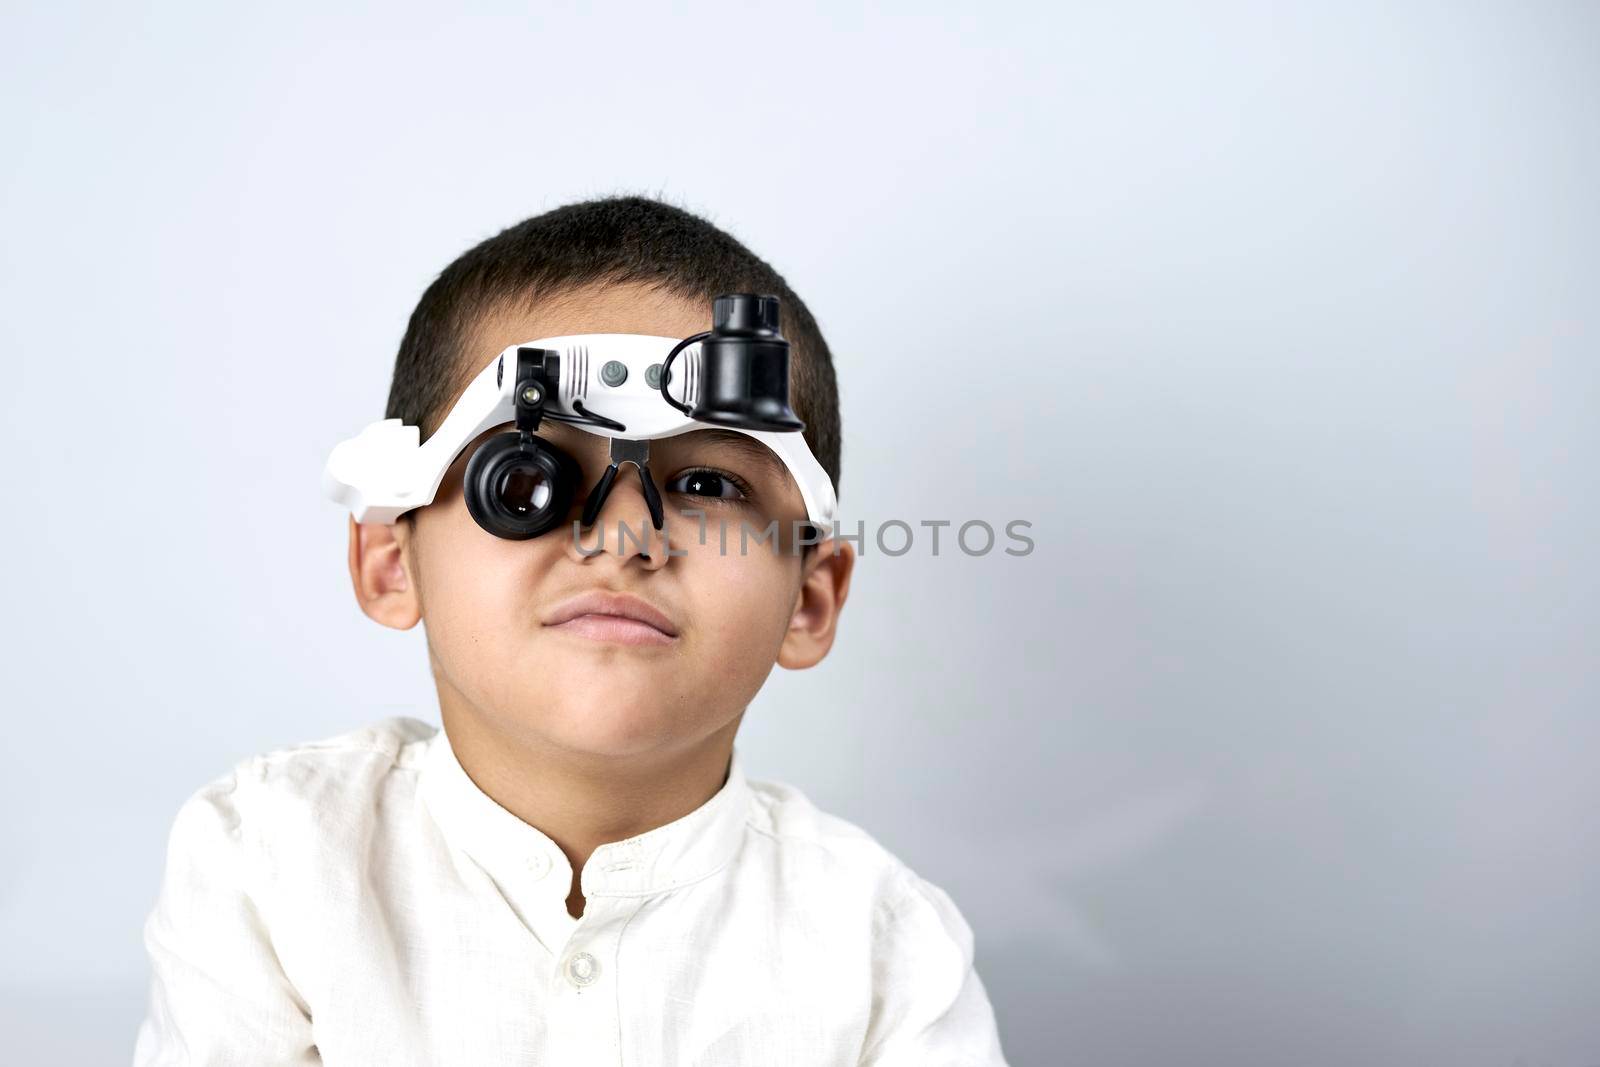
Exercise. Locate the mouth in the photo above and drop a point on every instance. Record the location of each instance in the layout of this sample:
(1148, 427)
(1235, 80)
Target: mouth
(614, 618)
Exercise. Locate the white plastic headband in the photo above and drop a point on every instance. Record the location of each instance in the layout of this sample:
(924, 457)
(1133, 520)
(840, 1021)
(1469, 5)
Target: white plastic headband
(387, 470)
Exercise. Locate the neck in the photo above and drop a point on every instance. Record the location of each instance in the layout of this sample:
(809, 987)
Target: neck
(582, 800)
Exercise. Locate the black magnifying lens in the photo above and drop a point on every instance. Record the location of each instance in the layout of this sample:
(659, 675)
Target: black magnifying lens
(519, 489)
(525, 489)
(517, 485)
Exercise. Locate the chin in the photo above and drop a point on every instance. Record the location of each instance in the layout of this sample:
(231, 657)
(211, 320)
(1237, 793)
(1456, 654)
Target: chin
(609, 720)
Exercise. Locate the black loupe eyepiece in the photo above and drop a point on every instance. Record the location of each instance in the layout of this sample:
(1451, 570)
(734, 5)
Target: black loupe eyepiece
(744, 366)
(517, 489)
(519, 485)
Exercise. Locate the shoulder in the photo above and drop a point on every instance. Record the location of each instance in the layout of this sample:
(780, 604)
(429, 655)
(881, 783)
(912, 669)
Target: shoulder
(787, 816)
(341, 762)
(388, 737)
(854, 861)
(305, 791)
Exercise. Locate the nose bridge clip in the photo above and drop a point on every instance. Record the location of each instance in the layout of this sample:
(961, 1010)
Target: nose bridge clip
(624, 450)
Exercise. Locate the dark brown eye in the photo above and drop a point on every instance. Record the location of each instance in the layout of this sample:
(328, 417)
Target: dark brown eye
(707, 483)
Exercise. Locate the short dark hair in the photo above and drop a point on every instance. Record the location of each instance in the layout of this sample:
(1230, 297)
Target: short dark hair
(615, 240)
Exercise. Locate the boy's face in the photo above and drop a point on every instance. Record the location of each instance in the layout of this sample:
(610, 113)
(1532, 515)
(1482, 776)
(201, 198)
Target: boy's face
(597, 685)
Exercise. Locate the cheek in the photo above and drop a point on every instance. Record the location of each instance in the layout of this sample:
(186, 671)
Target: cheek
(742, 603)
(471, 594)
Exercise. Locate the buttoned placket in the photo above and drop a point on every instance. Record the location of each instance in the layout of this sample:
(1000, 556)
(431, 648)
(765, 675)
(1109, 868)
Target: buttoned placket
(580, 954)
(584, 1023)
(534, 876)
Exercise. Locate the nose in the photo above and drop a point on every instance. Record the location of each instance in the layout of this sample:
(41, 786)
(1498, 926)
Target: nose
(623, 526)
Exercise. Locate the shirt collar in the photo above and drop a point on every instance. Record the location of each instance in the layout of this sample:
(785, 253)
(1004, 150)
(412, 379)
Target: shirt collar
(655, 861)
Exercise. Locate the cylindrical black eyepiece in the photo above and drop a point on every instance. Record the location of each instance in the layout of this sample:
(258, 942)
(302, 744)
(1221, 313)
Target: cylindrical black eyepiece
(744, 365)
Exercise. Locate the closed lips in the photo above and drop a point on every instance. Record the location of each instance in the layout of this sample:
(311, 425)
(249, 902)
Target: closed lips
(618, 605)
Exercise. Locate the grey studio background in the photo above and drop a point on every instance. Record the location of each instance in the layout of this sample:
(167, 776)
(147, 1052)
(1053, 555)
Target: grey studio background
(1277, 322)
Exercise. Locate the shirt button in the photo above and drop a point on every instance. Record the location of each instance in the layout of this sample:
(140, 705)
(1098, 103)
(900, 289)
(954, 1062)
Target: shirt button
(538, 865)
(582, 969)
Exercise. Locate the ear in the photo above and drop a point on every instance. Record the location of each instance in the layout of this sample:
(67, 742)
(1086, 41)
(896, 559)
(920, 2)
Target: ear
(380, 572)
(823, 587)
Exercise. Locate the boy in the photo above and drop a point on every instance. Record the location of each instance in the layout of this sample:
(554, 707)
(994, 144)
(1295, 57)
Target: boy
(574, 870)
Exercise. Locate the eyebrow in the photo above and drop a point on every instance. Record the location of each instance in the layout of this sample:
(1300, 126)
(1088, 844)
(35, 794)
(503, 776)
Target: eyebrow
(745, 445)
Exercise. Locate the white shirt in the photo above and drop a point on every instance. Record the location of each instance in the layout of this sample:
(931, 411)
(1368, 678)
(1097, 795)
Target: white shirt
(359, 900)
